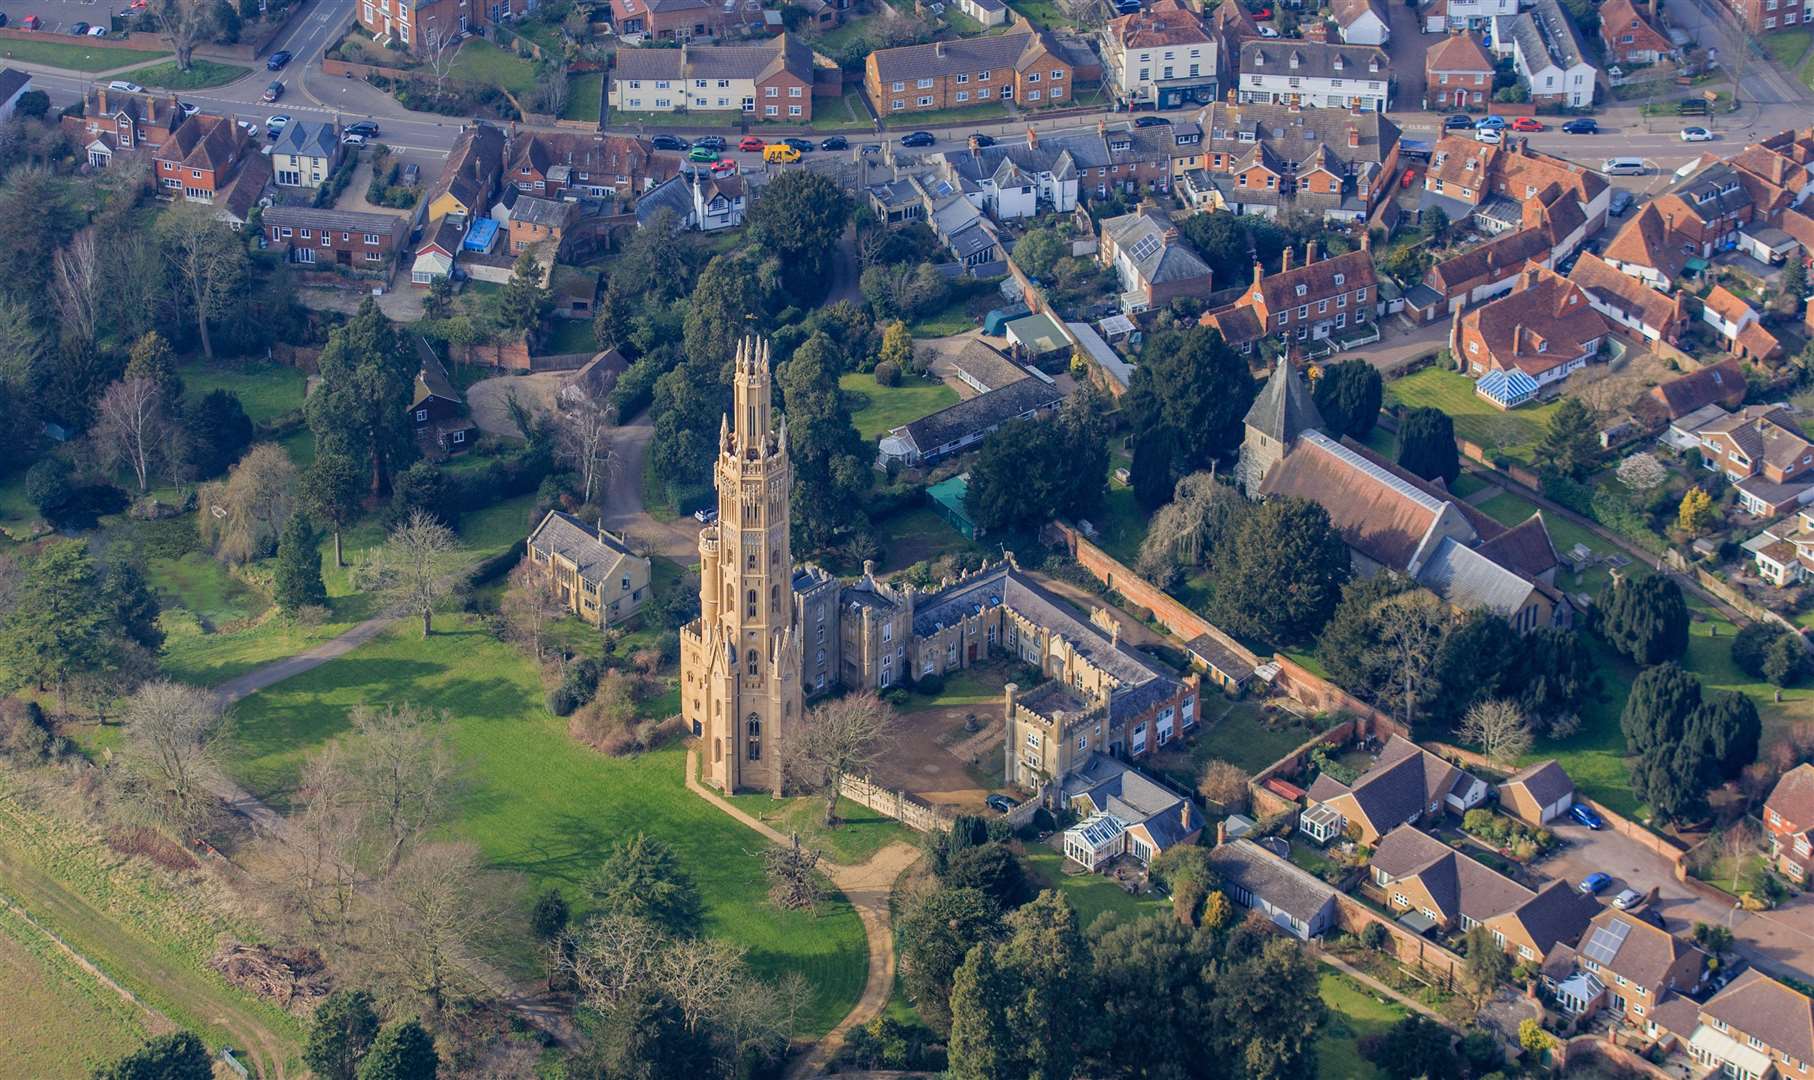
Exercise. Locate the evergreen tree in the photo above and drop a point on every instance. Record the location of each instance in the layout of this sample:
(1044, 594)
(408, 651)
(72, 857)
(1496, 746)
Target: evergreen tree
(152, 358)
(800, 216)
(1045, 959)
(523, 302)
(133, 603)
(1695, 512)
(831, 461)
(423, 487)
(1557, 674)
(1481, 659)
(1282, 573)
(1349, 646)
(177, 1056)
(1152, 473)
(983, 1044)
(641, 876)
(1426, 445)
(1030, 470)
(549, 918)
(1793, 285)
(1752, 644)
(218, 431)
(1151, 986)
(1418, 1046)
(935, 932)
(402, 1051)
(296, 581)
(1266, 1012)
(737, 294)
(1646, 619)
(345, 1024)
(1728, 727)
(55, 632)
(1657, 710)
(361, 407)
(1786, 660)
(1348, 395)
(331, 488)
(1194, 387)
(1571, 446)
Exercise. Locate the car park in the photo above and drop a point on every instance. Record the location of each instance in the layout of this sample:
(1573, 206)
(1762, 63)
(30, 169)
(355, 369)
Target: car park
(1527, 123)
(1584, 814)
(1001, 804)
(702, 154)
(1409, 178)
(871, 148)
(834, 142)
(750, 144)
(918, 138)
(128, 87)
(274, 91)
(1458, 122)
(802, 145)
(668, 142)
(31, 22)
(1696, 134)
(1628, 899)
(1594, 882)
(367, 128)
(1152, 121)
(1581, 125)
(277, 60)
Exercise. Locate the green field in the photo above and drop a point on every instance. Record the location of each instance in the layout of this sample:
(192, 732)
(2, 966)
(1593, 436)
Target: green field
(75, 57)
(911, 536)
(1466, 484)
(265, 391)
(1354, 1012)
(479, 61)
(585, 96)
(888, 407)
(1514, 433)
(858, 835)
(1092, 895)
(75, 1023)
(541, 805)
(200, 583)
(202, 74)
(1786, 47)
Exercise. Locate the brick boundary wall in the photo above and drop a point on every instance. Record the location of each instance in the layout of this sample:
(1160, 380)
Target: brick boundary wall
(136, 41)
(1412, 949)
(1588, 1047)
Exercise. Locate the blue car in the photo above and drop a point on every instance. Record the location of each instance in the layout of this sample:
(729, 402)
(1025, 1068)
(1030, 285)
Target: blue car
(1594, 882)
(1585, 815)
(1490, 123)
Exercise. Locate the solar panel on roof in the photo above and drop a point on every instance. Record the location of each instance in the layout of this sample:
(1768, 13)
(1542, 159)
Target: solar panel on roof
(1604, 945)
(1145, 248)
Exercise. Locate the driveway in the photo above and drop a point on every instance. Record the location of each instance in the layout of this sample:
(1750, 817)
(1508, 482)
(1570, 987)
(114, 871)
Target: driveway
(1632, 866)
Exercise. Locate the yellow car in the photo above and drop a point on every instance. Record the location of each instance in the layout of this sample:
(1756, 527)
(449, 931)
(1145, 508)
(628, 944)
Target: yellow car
(780, 154)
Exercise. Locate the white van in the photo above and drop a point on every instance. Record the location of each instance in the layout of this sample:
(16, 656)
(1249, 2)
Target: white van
(1623, 166)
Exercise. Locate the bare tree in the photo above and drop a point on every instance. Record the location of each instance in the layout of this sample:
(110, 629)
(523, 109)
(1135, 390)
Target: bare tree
(242, 515)
(1642, 472)
(793, 875)
(583, 440)
(1185, 529)
(209, 261)
(184, 22)
(320, 865)
(1412, 626)
(1498, 728)
(75, 286)
(613, 955)
(171, 736)
(1224, 784)
(434, 911)
(130, 427)
(438, 53)
(841, 737)
(399, 771)
(551, 87)
(696, 972)
(529, 605)
(418, 567)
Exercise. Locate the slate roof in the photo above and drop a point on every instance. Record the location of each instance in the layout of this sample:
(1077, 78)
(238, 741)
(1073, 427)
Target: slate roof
(598, 375)
(784, 52)
(1262, 874)
(550, 213)
(1283, 408)
(1248, 131)
(1315, 60)
(596, 555)
(1758, 1005)
(342, 220)
(1468, 579)
(471, 172)
(1546, 782)
(1165, 259)
(12, 81)
(308, 139)
(1546, 30)
(1793, 797)
(987, 366)
(431, 377)
(1126, 794)
(1402, 783)
(979, 413)
(938, 58)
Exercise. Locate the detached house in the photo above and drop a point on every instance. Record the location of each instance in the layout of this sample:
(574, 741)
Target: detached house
(1262, 159)
(592, 572)
(1475, 173)
(1153, 265)
(1739, 324)
(199, 158)
(325, 237)
(1458, 73)
(1545, 327)
(1553, 228)
(1257, 879)
(1161, 57)
(305, 154)
(1623, 962)
(1021, 65)
(1789, 822)
(1303, 303)
(114, 122)
(437, 410)
(1123, 813)
(1275, 72)
(773, 80)
(1756, 1027)
(565, 164)
(1762, 451)
(704, 203)
(1403, 785)
(1548, 53)
(1629, 36)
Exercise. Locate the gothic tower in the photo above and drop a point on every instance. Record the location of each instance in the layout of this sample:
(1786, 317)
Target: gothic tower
(740, 663)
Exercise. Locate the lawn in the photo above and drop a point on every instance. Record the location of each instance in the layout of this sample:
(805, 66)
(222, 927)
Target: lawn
(498, 526)
(585, 96)
(858, 835)
(1514, 433)
(953, 318)
(265, 391)
(568, 336)
(915, 119)
(539, 804)
(979, 685)
(1787, 46)
(1466, 484)
(76, 1024)
(1354, 1012)
(18, 516)
(74, 57)
(202, 74)
(1594, 757)
(1041, 13)
(915, 535)
(1121, 524)
(1246, 735)
(1092, 895)
(885, 408)
(482, 62)
(200, 583)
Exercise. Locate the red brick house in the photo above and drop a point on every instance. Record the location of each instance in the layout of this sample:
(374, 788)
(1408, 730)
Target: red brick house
(1458, 73)
(1021, 66)
(549, 163)
(1629, 35)
(1763, 452)
(684, 20)
(1545, 327)
(310, 236)
(1721, 384)
(198, 159)
(416, 23)
(536, 221)
(1276, 157)
(115, 122)
(1765, 16)
(1789, 822)
(1297, 304)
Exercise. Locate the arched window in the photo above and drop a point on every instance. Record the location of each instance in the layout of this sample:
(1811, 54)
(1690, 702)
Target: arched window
(774, 558)
(717, 751)
(730, 595)
(751, 606)
(754, 727)
(774, 600)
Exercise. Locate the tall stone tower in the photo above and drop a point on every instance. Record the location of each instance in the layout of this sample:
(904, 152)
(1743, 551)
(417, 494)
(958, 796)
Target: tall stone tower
(740, 663)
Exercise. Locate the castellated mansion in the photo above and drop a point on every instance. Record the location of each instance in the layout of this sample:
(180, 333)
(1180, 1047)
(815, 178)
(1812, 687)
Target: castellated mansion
(771, 635)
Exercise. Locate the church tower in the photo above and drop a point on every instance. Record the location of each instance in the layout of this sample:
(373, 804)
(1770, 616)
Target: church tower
(740, 663)
(1281, 412)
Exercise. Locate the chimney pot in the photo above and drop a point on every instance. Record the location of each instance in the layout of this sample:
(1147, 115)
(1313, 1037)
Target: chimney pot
(1309, 252)
(1353, 137)
(938, 49)
(1258, 272)
(1285, 263)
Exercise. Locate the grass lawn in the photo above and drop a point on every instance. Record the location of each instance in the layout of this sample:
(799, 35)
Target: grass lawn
(1787, 46)
(888, 407)
(1466, 484)
(200, 583)
(848, 113)
(1513, 433)
(1121, 524)
(1509, 509)
(915, 119)
(480, 61)
(76, 1023)
(74, 57)
(980, 685)
(1041, 13)
(17, 514)
(201, 75)
(265, 391)
(569, 336)
(1354, 1012)
(1240, 732)
(1710, 658)
(543, 806)
(585, 96)
(1382, 442)
(1092, 895)
(1594, 757)
(497, 527)
(859, 833)
(953, 318)
(915, 535)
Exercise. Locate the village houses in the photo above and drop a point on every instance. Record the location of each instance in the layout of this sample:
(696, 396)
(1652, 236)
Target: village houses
(418, 24)
(592, 573)
(1406, 783)
(772, 80)
(1458, 73)
(1276, 72)
(686, 20)
(1545, 327)
(335, 238)
(1161, 57)
(1022, 66)
(1789, 823)
(1629, 35)
(1625, 962)
(1265, 159)
(1362, 22)
(1153, 265)
(1446, 16)
(1299, 304)
(305, 153)
(572, 164)
(1548, 54)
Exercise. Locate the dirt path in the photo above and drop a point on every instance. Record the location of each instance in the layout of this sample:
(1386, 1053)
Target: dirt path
(487, 399)
(624, 510)
(868, 887)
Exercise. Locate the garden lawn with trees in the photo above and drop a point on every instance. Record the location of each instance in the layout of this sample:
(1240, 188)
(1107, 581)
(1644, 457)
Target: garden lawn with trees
(888, 407)
(539, 804)
(1515, 433)
(1354, 1013)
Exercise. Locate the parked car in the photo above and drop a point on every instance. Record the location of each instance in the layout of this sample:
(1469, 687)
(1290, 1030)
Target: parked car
(780, 154)
(1268, 32)
(1127, 7)
(367, 128)
(871, 148)
(1490, 123)
(1458, 122)
(274, 91)
(189, 108)
(1492, 136)
(703, 155)
(274, 125)
(1628, 899)
(1594, 882)
(1621, 202)
(1527, 123)
(128, 87)
(78, 27)
(1624, 166)
(277, 60)
(805, 146)
(977, 138)
(669, 142)
(1696, 134)
(1581, 125)
(710, 142)
(1409, 178)
(412, 174)
(97, 31)
(705, 515)
(918, 138)
(1584, 814)
(352, 138)
(750, 144)
(31, 22)
(1001, 804)
(724, 167)
(1152, 121)
(835, 142)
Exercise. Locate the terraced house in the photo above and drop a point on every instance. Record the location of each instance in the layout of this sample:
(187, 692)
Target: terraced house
(773, 80)
(1305, 303)
(1161, 57)
(1548, 53)
(1021, 66)
(1275, 72)
(1262, 159)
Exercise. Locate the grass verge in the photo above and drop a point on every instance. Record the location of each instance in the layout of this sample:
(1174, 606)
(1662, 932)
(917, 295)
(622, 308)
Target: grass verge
(202, 74)
(74, 57)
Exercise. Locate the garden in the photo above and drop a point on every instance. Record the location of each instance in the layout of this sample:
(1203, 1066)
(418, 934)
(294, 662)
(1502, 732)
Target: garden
(876, 409)
(1514, 433)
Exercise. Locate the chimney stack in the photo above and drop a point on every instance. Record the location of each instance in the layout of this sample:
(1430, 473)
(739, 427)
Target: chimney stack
(1258, 272)
(1184, 817)
(1366, 240)
(1285, 259)
(1309, 252)
(1032, 139)
(1221, 831)
(938, 49)
(1353, 137)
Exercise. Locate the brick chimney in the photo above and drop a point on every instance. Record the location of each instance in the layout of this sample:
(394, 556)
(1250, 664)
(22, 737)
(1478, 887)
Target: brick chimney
(1221, 831)
(1309, 252)
(1258, 272)
(1184, 818)
(1032, 139)
(1102, 127)
(1353, 137)
(1366, 240)
(938, 49)
(1285, 259)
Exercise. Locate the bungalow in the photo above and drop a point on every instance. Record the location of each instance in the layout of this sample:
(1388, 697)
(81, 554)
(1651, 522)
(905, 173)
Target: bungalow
(1789, 821)
(1545, 327)
(437, 410)
(1403, 785)
(958, 427)
(1122, 812)
(1153, 265)
(593, 573)
(1458, 73)
(1253, 877)
(1537, 794)
(1624, 962)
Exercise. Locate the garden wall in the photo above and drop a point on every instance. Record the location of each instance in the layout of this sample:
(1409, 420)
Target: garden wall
(136, 41)
(1750, 608)
(908, 810)
(1584, 1048)
(1414, 949)
(1477, 453)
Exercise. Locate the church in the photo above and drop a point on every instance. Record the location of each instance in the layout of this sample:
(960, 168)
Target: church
(771, 635)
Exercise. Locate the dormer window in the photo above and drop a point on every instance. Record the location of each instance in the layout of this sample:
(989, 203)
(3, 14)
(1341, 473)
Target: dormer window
(1303, 289)
(1373, 65)
(1340, 279)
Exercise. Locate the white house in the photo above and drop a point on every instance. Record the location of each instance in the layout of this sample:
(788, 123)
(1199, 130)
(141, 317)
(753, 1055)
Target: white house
(1363, 22)
(702, 203)
(987, 12)
(1161, 57)
(1726, 313)
(1311, 73)
(1443, 16)
(1548, 54)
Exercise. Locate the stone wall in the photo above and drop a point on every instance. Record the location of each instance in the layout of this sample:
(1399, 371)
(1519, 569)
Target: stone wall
(903, 807)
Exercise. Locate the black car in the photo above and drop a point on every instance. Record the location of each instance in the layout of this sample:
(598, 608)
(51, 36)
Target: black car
(1001, 804)
(710, 142)
(918, 138)
(1458, 122)
(977, 138)
(278, 59)
(836, 142)
(669, 142)
(78, 28)
(367, 129)
(1582, 126)
(1152, 121)
(802, 145)
(870, 148)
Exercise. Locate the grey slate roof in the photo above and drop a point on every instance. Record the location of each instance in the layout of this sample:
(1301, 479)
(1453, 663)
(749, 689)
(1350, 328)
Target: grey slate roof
(1165, 258)
(12, 81)
(1113, 788)
(1547, 30)
(910, 62)
(549, 212)
(1315, 60)
(431, 376)
(310, 217)
(1283, 409)
(1467, 579)
(986, 366)
(757, 62)
(308, 139)
(1262, 874)
(1546, 782)
(952, 423)
(596, 555)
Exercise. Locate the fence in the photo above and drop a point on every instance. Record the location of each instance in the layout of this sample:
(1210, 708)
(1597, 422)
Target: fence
(1750, 608)
(903, 807)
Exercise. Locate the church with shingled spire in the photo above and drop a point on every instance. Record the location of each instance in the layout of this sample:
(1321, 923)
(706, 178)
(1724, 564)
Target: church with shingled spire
(1281, 412)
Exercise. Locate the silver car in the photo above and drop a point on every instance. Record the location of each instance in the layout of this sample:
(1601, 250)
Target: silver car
(1628, 899)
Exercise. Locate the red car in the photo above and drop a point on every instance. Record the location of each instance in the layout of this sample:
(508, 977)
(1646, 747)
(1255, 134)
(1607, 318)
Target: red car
(750, 144)
(1527, 123)
(1410, 178)
(724, 168)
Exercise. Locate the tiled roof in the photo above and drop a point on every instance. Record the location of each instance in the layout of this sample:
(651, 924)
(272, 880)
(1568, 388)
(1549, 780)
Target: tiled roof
(1462, 162)
(987, 366)
(933, 59)
(248, 184)
(1645, 952)
(1793, 797)
(1758, 1005)
(552, 213)
(1165, 23)
(1623, 17)
(1458, 885)
(1501, 257)
(1545, 782)
(1556, 914)
(1262, 874)
(12, 81)
(1626, 294)
(1544, 321)
(1314, 60)
(1348, 12)
(1377, 514)
(1758, 342)
(1724, 303)
(609, 155)
(1459, 52)
(1646, 240)
(1402, 783)
(1525, 547)
(1297, 133)
(755, 62)
(1321, 279)
(472, 168)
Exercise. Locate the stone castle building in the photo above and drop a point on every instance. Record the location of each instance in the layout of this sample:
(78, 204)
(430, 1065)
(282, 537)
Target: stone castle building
(770, 634)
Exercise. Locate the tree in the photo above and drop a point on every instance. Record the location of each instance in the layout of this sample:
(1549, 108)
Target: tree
(936, 929)
(1696, 511)
(434, 909)
(1558, 673)
(345, 1024)
(1479, 659)
(529, 604)
(1282, 572)
(1714, 938)
(209, 262)
(548, 919)
(831, 461)
(800, 217)
(1657, 709)
(583, 442)
(1792, 287)
(1426, 445)
(841, 737)
(1348, 395)
(1499, 729)
(1751, 646)
(296, 581)
(524, 300)
(1153, 467)
(990, 868)
(399, 772)
(1195, 389)
(419, 566)
(76, 289)
(360, 408)
(402, 1051)
(177, 1056)
(1225, 785)
(1727, 727)
(897, 346)
(1571, 445)
(438, 53)
(1486, 965)
(219, 431)
(1266, 1008)
(243, 516)
(644, 1036)
(151, 357)
(1786, 660)
(185, 23)
(1533, 1039)
(1418, 1046)
(1646, 619)
(33, 105)
(130, 428)
(1151, 987)
(172, 734)
(642, 878)
(1017, 1009)
(53, 632)
(1185, 531)
(793, 875)
(1642, 472)
(132, 603)
(1411, 629)
(1030, 470)
(330, 492)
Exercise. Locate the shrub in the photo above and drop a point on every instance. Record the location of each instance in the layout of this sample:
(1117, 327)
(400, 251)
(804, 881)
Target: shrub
(888, 373)
(576, 687)
(930, 684)
(1375, 937)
